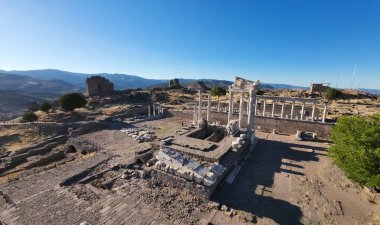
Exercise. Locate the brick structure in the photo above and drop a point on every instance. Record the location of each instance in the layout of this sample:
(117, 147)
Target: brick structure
(97, 85)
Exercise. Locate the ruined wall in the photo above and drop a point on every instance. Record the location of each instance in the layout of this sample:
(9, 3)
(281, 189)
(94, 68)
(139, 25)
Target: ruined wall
(97, 85)
(285, 126)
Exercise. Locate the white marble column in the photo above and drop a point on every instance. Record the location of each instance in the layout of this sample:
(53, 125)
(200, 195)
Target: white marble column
(264, 107)
(302, 110)
(282, 109)
(247, 104)
(154, 109)
(273, 106)
(241, 109)
(230, 106)
(251, 117)
(195, 119)
(200, 107)
(218, 104)
(208, 108)
(255, 105)
(149, 115)
(313, 112)
(292, 111)
(324, 112)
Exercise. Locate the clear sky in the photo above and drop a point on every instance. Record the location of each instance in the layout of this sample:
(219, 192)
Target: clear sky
(284, 41)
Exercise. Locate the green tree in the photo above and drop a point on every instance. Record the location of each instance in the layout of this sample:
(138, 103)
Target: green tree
(356, 148)
(218, 91)
(333, 93)
(72, 101)
(29, 117)
(45, 107)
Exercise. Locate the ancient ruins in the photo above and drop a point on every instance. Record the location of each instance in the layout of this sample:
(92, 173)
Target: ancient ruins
(97, 85)
(248, 159)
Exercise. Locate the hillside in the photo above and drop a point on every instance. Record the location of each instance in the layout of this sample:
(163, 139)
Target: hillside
(30, 84)
(13, 103)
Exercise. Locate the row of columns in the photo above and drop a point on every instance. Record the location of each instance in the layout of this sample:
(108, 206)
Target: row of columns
(157, 110)
(250, 108)
(197, 117)
(292, 110)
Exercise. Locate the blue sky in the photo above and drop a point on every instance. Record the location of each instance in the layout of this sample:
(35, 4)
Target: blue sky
(294, 42)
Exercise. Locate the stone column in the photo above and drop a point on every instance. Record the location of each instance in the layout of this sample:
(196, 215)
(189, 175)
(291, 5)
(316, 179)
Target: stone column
(292, 111)
(200, 107)
(255, 105)
(264, 107)
(149, 115)
(218, 104)
(302, 110)
(273, 105)
(313, 112)
(247, 104)
(208, 108)
(195, 119)
(241, 108)
(251, 117)
(324, 112)
(230, 106)
(282, 109)
(154, 109)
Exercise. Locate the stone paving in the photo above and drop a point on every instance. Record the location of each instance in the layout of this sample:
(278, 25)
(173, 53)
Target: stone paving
(38, 199)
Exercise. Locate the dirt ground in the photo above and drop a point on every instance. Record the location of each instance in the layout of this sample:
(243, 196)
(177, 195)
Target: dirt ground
(294, 182)
(14, 137)
(282, 181)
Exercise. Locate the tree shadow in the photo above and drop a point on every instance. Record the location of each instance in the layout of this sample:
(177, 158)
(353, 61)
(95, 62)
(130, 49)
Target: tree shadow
(252, 189)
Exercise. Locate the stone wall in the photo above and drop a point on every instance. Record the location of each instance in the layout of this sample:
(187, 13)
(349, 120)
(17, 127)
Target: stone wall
(284, 126)
(97, 85)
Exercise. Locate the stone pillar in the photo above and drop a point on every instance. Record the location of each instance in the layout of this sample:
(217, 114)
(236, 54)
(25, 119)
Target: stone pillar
(251, 117)
(208, 108)
(282, 109)
(273, 105)
(255, 105)
(241, 109)
(251, 109)
(154, 109)
(302, 110)
(200, 107)
(324, 112)
(230, 106)
(264, 107)
(149, 115)
(195, 119)
(292, 111)
(247, 105)
(218, 104)
(313, 112)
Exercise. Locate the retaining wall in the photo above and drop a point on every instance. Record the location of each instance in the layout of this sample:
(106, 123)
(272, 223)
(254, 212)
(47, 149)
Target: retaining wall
(267, 124)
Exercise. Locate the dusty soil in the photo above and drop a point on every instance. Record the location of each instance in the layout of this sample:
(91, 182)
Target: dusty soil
(294, 182)
(14, 137)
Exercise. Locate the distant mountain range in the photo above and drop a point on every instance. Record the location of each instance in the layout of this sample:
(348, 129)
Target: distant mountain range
(51, 80)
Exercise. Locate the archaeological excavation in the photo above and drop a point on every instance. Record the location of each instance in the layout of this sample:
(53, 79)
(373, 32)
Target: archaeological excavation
(194, 159)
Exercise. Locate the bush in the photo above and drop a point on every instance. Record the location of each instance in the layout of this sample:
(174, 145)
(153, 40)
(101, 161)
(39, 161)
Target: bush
(45, 107)
(29, 117)
(356, 148)
(333, 93)
(72, 101)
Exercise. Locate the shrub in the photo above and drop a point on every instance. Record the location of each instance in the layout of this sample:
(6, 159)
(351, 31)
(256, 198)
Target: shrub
(356, 148)
(29, 117)
(333, 93)
(72, 101)
(218, 91)
(45, 107)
